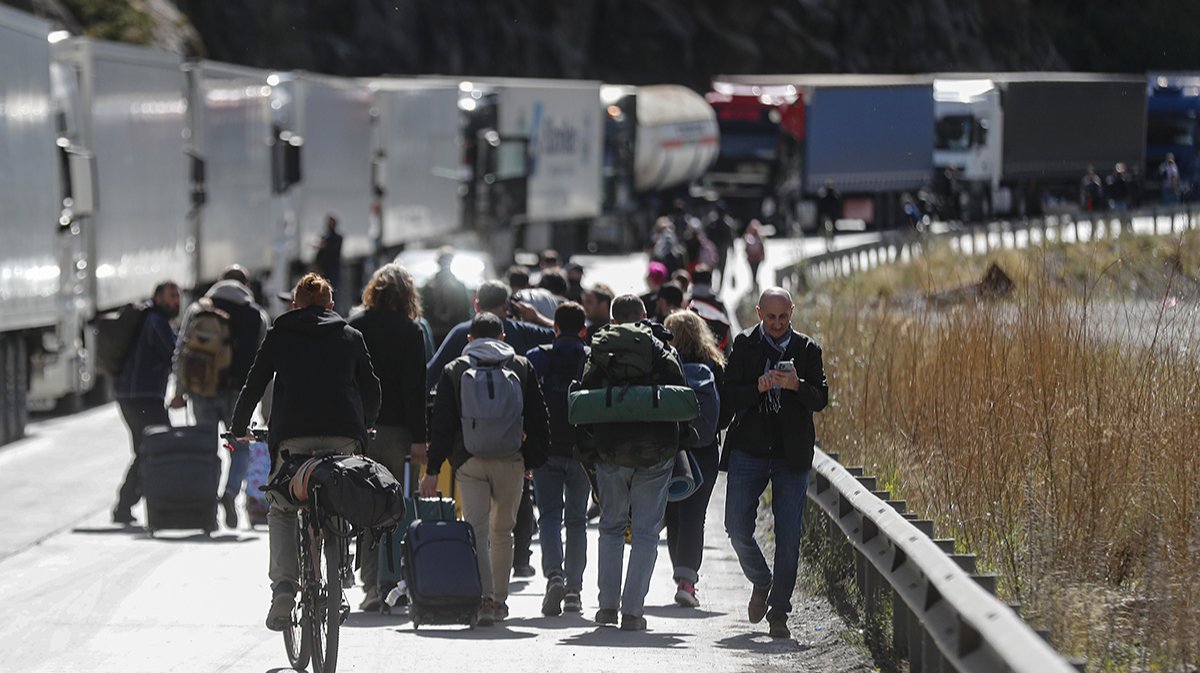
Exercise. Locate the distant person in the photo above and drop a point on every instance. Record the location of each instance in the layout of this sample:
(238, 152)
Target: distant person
(683, 279)
(665, 247)
(229, 301)
(548, 295)
(574, 282)
(829, 210)
(1168, 170)
(755, 249)
(492, 297)
(704, 368)
(1091, 191)
(704, 302)
(517, 277)
(657, 275)
(549, 260)
(1118, 186)
(328, 262)
(396, 343)
(774, 382)
(141, 388)
(597, 302)
(489, 459)
(562, 485)
(633, 466)
(720, 228)
(446, 302)
(670, 300)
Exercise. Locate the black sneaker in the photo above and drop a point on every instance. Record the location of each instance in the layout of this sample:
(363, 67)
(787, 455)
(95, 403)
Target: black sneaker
(123, 518)
(556, 590)
(606, 616)
(572, 602)
(633, 623)
(523, 570)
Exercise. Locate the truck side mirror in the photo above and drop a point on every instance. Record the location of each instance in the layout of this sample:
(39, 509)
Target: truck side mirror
(980, 132)
(81, 169)
(285, 160)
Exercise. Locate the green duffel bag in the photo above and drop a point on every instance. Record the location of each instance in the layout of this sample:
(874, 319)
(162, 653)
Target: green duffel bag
(632, 404)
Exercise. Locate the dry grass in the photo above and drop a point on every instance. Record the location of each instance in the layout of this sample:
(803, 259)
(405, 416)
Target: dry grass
(1056, 433)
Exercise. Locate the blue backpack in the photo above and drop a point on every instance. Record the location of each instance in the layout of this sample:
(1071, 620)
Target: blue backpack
(703, 382)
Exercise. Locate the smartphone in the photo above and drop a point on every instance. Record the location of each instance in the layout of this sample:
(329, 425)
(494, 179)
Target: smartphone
(785, 366)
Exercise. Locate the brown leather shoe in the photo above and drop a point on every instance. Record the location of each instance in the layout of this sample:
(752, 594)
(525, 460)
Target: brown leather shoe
(757, 609)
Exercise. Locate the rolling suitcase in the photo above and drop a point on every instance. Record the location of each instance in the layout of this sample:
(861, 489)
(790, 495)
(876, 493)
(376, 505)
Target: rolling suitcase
(441, 573)
(181, 472)
(425, 509)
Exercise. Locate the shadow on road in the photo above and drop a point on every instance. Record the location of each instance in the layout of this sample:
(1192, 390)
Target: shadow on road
(451, 632)
(201, 537)
(110, 530)
(676, 612)
(373, 620)
(761, 643)
(564, 621)
(607, 636)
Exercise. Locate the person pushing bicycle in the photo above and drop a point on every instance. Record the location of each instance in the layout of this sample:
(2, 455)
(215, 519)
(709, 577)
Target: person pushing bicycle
(325, 400)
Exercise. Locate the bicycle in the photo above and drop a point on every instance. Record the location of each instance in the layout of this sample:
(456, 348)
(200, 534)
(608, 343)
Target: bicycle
(313, 634)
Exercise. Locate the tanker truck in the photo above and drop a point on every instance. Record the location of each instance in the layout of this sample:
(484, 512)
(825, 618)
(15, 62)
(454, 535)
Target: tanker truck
(658, 140)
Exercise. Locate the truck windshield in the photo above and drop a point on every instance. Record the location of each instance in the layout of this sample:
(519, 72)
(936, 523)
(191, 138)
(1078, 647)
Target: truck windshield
(954, 132)
(1170, 131)
(762, 146)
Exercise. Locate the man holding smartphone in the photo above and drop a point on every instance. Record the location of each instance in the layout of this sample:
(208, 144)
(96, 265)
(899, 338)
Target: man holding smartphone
(774, 382)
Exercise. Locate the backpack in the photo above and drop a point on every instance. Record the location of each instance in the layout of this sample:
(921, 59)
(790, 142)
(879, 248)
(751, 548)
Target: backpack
(701, 380)
(561, 372)
(116, 335)
(207, 350)
(492, 400)
(624, 353)
(354, 488)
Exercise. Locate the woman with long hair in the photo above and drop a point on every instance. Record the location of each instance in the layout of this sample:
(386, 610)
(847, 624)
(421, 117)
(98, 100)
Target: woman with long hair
(387, 318)
(704, 367)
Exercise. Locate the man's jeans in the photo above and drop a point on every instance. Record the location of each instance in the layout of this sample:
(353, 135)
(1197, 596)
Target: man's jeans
(635, 497)
(747, 479)
(282, 524)
(562, 485)
(219, 408)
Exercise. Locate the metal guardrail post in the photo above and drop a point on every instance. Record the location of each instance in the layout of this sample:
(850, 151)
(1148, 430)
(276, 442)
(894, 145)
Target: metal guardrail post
(950, 622)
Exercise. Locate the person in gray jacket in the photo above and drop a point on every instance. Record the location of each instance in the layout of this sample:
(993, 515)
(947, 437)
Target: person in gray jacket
(248, 324)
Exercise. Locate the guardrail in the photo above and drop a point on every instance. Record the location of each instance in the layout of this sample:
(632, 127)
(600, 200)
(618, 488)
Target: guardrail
(944, 617)
(901, 246)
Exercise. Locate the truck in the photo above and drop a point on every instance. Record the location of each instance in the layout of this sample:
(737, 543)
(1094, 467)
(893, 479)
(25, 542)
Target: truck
(869, 137)
(658, 140)
(1020, 143)
(1173, 106)
(30, 283)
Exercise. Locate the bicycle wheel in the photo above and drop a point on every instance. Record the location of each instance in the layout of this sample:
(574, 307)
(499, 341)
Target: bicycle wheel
(327, 615)
(296, 639)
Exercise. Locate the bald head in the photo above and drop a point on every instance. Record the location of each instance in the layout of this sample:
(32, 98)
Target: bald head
(775, 311)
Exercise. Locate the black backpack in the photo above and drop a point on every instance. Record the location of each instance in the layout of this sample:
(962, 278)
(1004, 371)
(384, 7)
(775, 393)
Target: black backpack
(354, 488)
(563, 369)
(116, 335)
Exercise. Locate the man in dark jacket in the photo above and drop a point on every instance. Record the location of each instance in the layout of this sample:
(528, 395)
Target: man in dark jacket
(248, 324)
(141, 388)
(597, 304)
(774, 382)
(325, 398)
(492, 297)
(491, 484)
(561, 485)
(633, 466)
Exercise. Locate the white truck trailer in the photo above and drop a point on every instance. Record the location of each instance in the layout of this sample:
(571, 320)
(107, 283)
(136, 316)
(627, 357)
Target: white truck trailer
(30, 299)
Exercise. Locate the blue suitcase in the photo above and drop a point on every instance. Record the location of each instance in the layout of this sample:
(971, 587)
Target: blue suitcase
(181, 473)
(441, 573)
(390, 552)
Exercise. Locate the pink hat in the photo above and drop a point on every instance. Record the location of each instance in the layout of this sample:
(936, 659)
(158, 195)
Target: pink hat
(657, 272)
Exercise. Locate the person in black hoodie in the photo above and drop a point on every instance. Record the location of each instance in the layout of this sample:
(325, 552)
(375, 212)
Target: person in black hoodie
(325, 399)
(774, 382)
(390, 305)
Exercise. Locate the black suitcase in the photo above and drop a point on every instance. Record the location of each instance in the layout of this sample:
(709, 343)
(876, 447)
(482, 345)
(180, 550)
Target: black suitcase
(181, 472)
(441, 573)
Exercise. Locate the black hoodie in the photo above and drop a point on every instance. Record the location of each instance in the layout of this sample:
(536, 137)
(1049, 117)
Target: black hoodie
(324, 384)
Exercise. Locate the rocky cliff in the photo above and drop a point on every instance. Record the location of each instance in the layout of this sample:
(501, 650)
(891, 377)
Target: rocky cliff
(641, 41)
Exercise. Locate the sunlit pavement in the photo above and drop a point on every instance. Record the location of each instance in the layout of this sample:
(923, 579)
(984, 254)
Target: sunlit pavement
(80, 594)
